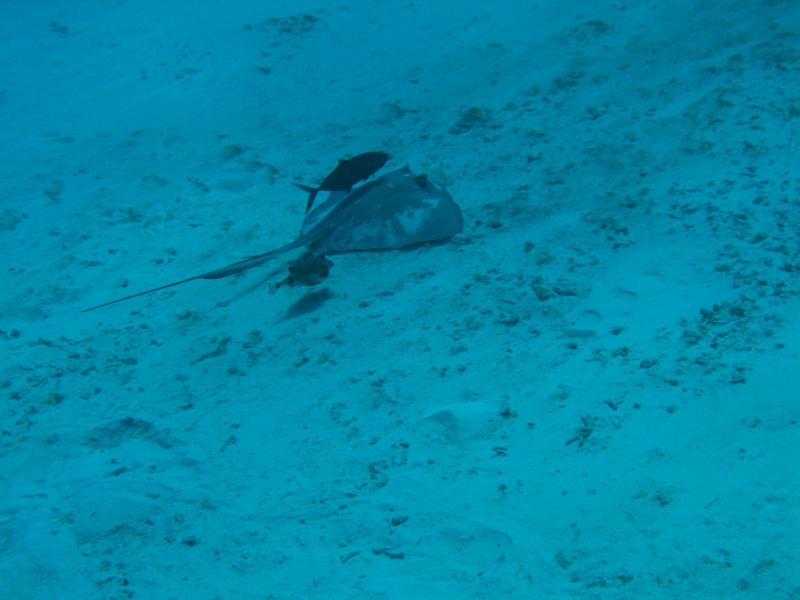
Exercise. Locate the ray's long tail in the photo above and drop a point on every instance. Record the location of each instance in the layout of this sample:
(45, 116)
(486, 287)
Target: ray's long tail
(227, 271)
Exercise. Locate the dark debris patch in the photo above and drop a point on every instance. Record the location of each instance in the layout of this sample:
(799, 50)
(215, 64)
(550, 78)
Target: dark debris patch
(293, 24)
(122, 430)
(388, 553)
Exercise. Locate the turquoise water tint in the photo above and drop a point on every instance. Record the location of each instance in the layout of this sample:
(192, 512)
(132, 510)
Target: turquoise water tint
(591, 392)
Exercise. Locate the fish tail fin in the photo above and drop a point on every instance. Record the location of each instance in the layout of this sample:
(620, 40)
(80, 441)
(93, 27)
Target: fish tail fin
(312, 194)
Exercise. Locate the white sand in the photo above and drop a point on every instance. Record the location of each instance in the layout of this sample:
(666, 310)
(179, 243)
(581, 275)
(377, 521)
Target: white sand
(609, 411)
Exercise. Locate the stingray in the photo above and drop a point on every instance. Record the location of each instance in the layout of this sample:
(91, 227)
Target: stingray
(346, 174)
(393, 211)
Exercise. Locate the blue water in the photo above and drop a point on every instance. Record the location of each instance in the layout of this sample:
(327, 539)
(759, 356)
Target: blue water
(590, 392)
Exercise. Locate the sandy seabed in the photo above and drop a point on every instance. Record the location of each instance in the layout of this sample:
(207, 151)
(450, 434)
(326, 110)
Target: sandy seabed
(590, 393)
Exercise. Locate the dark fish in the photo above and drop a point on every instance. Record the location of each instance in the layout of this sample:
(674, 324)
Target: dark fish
(346, 174)
(397, 210)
